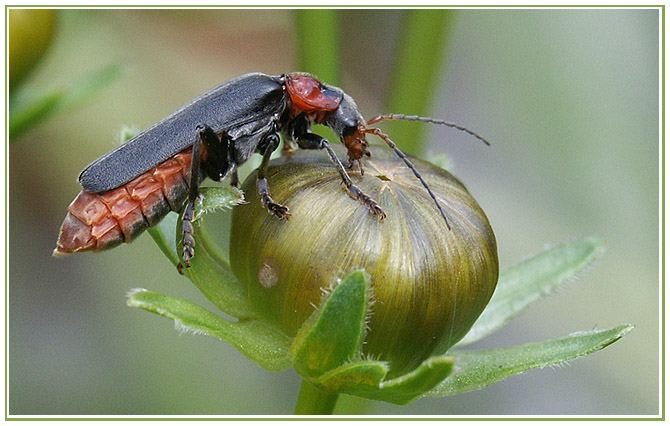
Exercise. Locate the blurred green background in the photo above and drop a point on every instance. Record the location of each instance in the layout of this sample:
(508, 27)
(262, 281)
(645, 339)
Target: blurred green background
(569, 98)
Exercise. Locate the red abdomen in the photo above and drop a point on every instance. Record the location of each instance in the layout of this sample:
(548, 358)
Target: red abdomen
(101, 221)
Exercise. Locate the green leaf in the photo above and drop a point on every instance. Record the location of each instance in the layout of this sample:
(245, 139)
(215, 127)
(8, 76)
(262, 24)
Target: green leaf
(89, 85)
(334, 333)
(219, 197)
(164, 235)
(354, 375)
(257, 341)
(325, 346)
(210, 272)
(33, 111)
(526, 282)
(364, 379)
(27, 110)
(126, 133)
(411, 386)
(478, 369)
(210, 269)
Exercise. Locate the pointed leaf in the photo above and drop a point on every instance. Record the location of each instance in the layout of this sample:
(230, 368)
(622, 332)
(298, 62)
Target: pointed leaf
(524, 283)
(258, 342)
(210, 272)
(210, 269)
(218, 197)
(334, 333)
(363, 379)
(348, 377)
(163, 235)
(413, 385)
(478, 369)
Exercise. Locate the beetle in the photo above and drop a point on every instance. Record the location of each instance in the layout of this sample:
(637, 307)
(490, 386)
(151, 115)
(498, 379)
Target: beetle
(135, 185)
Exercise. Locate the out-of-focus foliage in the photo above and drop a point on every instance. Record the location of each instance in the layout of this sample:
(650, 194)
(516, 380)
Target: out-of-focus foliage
(30, 32)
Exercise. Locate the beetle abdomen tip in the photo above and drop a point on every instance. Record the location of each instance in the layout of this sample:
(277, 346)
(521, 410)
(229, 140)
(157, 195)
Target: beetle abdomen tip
(101, 221)
(74, 236)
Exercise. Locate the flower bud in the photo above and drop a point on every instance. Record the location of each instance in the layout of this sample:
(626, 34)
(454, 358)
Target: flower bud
(30, 33)
(429, 283)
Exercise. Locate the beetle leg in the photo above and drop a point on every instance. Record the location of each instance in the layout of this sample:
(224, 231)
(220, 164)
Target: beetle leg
(218, 163)
(313, 141)
(278, 210)
(350, 165)
(207, 137)
(234, 179)
(288, 147)
(353, 190)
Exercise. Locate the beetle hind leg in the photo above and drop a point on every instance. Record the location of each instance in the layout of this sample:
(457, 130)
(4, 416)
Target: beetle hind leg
(215, 165)
(234, 178)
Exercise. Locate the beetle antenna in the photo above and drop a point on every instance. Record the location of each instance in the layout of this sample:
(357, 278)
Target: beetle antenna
(382, 117)
(409, 164)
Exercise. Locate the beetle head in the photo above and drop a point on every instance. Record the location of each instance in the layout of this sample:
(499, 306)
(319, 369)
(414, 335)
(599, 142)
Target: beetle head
(348, 123)
(329, 105)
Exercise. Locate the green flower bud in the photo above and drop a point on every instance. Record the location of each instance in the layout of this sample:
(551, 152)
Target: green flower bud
(30, 33)
(429, 283)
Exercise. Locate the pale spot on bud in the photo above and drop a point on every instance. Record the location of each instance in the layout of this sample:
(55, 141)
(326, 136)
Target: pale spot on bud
(268, 274)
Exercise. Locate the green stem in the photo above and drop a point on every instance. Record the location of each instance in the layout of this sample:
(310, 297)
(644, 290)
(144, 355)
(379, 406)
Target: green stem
(419, 63)
(312, 400)
(318, 47)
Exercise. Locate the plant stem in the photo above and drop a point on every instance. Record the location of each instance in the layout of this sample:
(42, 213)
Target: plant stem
(318, 43)
(312, 400)
(318, 49)
(419, 63)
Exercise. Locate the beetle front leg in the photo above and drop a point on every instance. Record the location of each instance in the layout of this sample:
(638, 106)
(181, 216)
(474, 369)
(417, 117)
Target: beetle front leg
(314, 141)
(352, 189)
